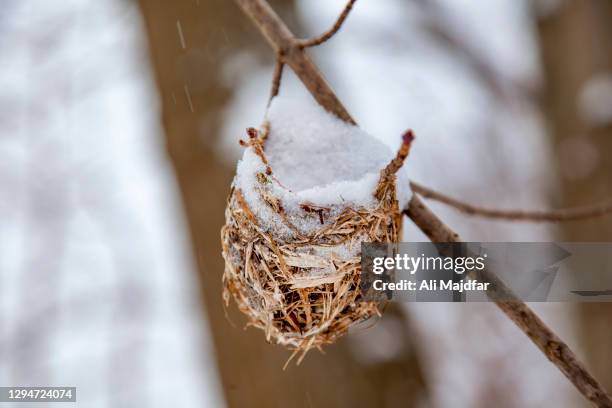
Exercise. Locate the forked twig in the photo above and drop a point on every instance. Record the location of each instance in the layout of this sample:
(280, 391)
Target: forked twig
(282, 40)
(284, 43)
(320, 39)
(566, 214)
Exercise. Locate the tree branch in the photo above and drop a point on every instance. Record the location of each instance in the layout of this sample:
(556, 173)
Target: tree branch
(522, 315)
(318, 40)
(286, 46)
(567, 214)
(283, 42)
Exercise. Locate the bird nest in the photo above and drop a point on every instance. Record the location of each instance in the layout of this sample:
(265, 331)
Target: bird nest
(303, 290)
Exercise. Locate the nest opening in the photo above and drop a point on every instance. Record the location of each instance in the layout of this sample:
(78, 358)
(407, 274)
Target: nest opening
(345, 154)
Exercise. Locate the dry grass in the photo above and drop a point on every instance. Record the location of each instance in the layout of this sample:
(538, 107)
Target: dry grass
(302, 292)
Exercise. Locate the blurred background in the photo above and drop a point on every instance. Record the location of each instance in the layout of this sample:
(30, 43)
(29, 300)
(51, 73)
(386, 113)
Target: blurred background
(119, 122)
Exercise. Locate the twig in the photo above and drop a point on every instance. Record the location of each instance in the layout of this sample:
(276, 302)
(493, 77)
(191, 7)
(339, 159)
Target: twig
(318, 40)
(276, 78)
(395, 164)
(567, 214)
(280, 38)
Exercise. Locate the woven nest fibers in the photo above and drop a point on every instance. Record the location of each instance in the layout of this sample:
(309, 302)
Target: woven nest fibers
(292, 265)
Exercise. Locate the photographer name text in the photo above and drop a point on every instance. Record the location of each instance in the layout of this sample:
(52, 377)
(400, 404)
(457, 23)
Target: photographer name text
(413, 264)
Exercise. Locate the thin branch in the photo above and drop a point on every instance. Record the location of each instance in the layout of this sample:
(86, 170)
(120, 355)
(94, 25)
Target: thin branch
(276, 78)
(567, 214)
(522, 315)
(318, 40)
(283, 42)
(280, 38)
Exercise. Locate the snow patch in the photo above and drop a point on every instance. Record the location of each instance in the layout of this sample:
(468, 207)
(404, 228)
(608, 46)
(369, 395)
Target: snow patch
(316, 158)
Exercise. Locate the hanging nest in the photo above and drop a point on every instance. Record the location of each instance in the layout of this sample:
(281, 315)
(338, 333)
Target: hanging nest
(303, 289)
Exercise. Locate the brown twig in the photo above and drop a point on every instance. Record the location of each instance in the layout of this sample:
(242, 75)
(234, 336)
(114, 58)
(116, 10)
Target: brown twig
(280, 38)
(320, 39)
(276, 78)
(395, 164)
(567, 214)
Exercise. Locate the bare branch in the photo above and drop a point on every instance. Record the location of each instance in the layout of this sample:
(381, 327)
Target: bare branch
(547, 341)
(318, 40)
(276, 79)
(285, 44)
(567, 214)
(281, 40)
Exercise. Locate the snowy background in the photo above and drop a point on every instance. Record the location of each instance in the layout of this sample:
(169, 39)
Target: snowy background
(98, 287)
(96, 280)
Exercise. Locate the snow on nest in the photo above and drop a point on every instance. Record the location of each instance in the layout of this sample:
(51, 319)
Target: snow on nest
(318, 159)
